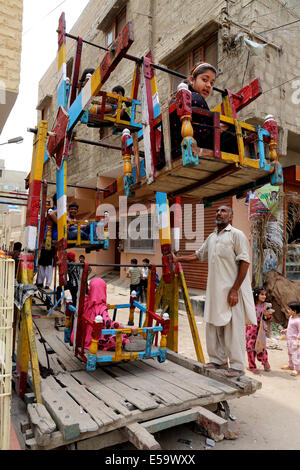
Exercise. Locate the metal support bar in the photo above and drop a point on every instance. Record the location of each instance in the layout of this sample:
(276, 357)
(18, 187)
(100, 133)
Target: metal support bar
(117, 265)
(14, 197)
(98, 144)
(79, 187)
(139, 60)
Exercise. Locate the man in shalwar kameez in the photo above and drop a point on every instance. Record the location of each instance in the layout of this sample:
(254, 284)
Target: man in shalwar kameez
(229, 303)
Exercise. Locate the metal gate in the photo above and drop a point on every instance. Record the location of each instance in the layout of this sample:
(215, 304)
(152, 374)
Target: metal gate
(7, 267)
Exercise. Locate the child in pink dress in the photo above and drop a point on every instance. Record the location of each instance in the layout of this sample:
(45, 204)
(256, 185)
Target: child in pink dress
(252, 332)
(293, 339)
(96, 304)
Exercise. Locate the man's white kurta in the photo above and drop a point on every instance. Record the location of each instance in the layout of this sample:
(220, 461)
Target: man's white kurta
(224, 251)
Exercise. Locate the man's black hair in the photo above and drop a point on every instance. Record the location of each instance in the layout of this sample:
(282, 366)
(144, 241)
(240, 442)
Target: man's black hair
(73, 204)
(54, 198)
(146, 260)
(17, 246)
(133, 261)
(295, 306)
(118, 88)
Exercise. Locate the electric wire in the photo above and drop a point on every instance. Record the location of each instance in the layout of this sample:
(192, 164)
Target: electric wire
(44, 17)
(278, 27)
(275, 11)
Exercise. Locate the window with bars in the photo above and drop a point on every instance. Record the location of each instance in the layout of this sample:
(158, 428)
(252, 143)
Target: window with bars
(204, 52)
(115, 27)
(141, 234)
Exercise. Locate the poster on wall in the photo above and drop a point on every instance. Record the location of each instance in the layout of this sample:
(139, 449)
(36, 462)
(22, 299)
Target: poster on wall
(264, 200)
(256, 208)
(269, 196)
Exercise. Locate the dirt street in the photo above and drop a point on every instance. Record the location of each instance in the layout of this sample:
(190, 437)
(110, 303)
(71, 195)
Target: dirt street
(267, 420)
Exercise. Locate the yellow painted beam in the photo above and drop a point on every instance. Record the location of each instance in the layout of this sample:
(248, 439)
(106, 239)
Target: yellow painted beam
(191, 318)
(38, 152)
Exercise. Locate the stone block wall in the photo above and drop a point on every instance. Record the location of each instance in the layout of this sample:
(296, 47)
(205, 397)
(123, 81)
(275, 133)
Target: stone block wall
(11, 15)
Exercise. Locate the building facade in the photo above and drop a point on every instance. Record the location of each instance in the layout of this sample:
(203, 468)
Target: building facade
(11, 16)
(181, 34)
(12, 211)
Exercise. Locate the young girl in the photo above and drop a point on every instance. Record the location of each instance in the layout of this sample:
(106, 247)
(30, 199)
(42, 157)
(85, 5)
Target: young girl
(293, 338)
(96, 304)
(252, 332)
(201, 82)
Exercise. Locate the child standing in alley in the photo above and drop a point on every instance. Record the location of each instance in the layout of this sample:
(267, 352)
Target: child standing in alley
(256, 334)
(293, 339)
(134, 273)
(144, 279)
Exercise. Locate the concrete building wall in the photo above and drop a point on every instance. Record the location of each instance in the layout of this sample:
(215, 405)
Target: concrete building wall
(12, 227)
(11, 15)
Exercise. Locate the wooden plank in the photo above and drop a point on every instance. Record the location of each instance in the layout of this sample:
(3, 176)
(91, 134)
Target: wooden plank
(186, 182)
(192, 389)
(203, 381)
(54, 364)
(61, 413)
(182, 393)
(207, 164)
(40, 417)
(66, 356)
(128, 378)
(166, 136)
(175, 419)
(161, 384)
(108, 396)
(51, 383)
(86, 423)
(72, 383)
(244, 384)
(41, 422)
(141, 438)
(141, 400)
(181, 375)
(102, 414)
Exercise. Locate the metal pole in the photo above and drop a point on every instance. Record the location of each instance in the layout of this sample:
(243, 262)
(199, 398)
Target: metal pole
(17, 204)
(79, 187)
(118, 265)
(99, 144)
(10, 192)
(140, 60)
(14, 197)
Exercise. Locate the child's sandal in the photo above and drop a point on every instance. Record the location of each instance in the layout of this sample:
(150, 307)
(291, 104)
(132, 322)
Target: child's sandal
(254, 371)
(294, 373)
(286, 368)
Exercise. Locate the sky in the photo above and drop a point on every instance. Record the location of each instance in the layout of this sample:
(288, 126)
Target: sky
(39, 48)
